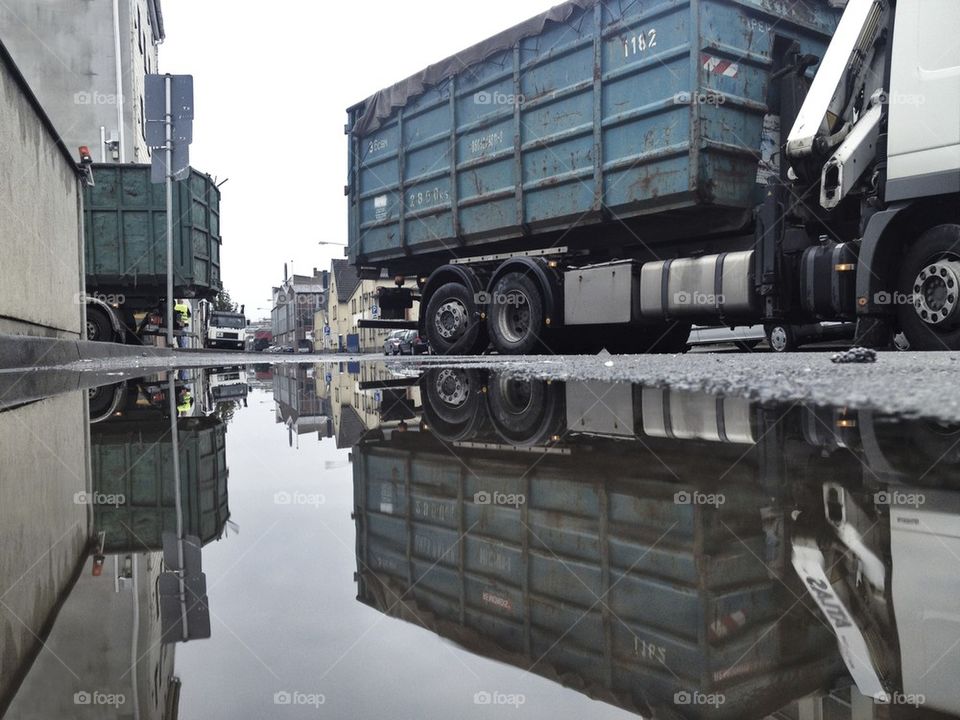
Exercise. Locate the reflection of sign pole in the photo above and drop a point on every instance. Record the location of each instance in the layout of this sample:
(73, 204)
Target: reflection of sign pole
(184, 612)
(175, 436)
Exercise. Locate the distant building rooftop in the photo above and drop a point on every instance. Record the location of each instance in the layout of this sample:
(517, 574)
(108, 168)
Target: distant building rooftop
(346, 278)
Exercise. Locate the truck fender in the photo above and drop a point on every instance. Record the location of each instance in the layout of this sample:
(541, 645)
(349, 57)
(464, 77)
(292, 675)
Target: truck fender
(548, 280)
(876, 266)
(449, 273)
(109, 310)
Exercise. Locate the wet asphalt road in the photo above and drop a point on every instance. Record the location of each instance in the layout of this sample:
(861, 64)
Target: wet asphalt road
(906, 383)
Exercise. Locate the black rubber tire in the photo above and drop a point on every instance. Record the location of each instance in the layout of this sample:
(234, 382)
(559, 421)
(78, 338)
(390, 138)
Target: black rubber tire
(668, 338)
(473, 339)
(786, 339)
(525, 412)
(453, 422)
(528, 341)
(99, 327)
(936, 243)
(101, 399)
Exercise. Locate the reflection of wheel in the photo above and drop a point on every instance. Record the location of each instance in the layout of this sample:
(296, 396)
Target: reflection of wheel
(515, 314)
(930, 282)
(525, 412)
(926, 443)
(746, 345)
(453, 322)
(99, 328)
(781, 337)
(452, 404)
(105, 400)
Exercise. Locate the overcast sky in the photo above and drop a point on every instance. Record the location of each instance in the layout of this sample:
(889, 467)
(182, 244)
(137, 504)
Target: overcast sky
(272, 84)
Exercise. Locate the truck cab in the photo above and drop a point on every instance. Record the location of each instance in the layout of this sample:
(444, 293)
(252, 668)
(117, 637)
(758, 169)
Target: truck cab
(225, 330)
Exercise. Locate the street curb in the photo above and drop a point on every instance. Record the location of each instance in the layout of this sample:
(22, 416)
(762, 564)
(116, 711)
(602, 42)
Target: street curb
(25, 352)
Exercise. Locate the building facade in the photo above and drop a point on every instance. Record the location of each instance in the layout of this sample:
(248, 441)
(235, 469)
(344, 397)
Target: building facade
(86, 61)
(336, 315)
(295, 304)
(349, 301)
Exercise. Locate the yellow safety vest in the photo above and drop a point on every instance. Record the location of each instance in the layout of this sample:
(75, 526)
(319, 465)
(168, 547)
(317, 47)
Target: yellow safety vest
(183, 311)
(186, 403)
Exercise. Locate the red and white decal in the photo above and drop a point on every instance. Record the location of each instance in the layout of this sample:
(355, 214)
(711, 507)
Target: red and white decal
(721, 627)
(712, 64)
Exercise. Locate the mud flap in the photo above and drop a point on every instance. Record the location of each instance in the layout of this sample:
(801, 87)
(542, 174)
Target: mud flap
(809, 563)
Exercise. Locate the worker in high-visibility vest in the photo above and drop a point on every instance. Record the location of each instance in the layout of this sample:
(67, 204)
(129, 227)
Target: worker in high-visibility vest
(181, 311)
(184, 403)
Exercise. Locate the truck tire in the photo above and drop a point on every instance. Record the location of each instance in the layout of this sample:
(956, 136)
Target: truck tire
(452, 322)
(930, 314)
(515, 315)
(105, 399)
(781, 337)
(99, 327)
(525, 412)
(453, 406)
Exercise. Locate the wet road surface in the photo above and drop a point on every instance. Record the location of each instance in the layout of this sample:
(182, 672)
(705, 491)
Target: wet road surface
(434, 540)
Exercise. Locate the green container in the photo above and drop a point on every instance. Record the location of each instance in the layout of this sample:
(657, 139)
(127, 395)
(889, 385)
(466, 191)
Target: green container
(125, 224)
(133, 481)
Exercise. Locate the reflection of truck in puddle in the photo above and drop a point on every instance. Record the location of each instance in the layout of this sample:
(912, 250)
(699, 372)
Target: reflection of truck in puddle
(637, 543)
(223, 385)
(131, 462)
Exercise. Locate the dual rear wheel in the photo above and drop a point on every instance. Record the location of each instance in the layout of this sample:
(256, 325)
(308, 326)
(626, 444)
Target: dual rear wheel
(512, 318)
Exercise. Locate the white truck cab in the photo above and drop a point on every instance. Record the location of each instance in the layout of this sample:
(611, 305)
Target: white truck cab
(225, 330)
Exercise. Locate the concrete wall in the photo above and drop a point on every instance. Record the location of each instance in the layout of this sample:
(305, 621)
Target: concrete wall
(39, 219)
(43, 529)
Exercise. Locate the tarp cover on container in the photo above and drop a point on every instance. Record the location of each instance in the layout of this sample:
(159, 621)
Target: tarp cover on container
(382, 103)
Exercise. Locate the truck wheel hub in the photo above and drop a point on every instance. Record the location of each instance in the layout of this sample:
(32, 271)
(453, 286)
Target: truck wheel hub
(451, 387)
(514, 317)
(91, 331)
(778, 338)
(935, 292)
(451, 319)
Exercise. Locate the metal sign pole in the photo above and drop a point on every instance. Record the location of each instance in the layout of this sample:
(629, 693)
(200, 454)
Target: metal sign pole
(168, 119)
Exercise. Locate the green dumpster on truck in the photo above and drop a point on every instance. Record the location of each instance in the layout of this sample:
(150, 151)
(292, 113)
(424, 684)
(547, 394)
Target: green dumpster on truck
(125, 248)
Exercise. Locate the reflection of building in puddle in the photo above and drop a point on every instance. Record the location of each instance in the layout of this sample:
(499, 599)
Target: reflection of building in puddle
(298, 405)
(43, 524)
(364, 397)
(104, 657)
(647, 546)
(88, 627)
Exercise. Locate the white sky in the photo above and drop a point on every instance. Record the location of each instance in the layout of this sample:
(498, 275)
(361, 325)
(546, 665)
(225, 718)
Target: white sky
(272, 82)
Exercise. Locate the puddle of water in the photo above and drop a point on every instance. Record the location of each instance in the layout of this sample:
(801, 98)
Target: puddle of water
(349, 543)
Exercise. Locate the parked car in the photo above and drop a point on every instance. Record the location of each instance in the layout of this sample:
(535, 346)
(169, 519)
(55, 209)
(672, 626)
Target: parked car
(405, 342)
(391, 343)
(304, 346)
(412, 344)
(279, 349)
